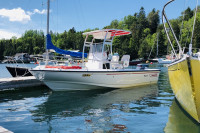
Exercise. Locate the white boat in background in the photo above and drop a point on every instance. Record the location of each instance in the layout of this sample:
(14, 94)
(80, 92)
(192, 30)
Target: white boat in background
(97, 71)
(153, 60)
(167, 60)
(164, 61)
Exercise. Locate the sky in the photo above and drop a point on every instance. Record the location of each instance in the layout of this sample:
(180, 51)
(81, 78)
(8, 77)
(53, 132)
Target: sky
(17, 16)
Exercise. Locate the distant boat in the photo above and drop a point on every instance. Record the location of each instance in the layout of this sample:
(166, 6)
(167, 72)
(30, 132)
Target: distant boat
(153, 60)
(184, 74)
(22, 58)
(164, 61)
(8, 59)
(18, 58)
(135, 62)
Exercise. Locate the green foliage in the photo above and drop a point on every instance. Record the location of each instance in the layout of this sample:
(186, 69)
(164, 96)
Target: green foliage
(145, 33)
(154, 20)
(196, 38)
(188, 14)
(33, 42)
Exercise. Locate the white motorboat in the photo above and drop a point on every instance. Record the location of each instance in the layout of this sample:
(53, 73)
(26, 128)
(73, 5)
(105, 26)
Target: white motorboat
(101, 69)
(98, 71)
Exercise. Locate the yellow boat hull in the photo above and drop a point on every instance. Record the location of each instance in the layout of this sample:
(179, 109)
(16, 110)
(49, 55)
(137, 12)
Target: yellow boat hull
(184, 78)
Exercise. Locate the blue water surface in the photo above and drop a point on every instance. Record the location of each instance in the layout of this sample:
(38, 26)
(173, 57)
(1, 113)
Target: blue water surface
(144, 109)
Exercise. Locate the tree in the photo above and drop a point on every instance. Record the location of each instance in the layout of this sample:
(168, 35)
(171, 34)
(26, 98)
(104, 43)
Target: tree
(1, 50)
(161, 43)
(114, 24)
(36, 50)
(197, 33)
(146, 45)
(79, 41)
(188, 14)
(142, 20)
(154, 20)
(175, 25)
(129, 20)
(71, 37)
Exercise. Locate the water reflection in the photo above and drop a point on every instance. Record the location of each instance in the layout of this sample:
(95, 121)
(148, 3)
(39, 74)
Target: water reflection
(23, 93)
(73, 102)
(97, 109)
(179, 121)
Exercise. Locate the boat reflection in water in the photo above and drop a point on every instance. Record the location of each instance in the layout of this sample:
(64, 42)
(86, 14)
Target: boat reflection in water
(97, 109)
(180, 121)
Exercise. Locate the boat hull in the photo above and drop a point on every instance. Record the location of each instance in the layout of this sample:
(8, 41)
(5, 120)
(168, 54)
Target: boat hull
(18, 71)
(86, 80)
(185, 83)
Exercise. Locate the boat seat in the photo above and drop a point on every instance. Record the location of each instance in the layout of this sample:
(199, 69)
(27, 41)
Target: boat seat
(125, 60)
(115, 59)
(115, 62)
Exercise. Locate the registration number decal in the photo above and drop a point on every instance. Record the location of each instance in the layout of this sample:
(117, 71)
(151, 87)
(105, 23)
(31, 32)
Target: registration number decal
(86, 75)
(153, 75)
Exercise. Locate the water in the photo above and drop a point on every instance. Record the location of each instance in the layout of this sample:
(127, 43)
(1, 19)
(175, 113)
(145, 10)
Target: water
(144, 109)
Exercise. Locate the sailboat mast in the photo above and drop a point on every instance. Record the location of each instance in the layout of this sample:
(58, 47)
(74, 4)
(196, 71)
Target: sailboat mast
(47, 51)
(157, 45)
(48, 6)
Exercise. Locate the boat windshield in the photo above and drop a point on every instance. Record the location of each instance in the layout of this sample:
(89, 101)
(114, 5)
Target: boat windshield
(97, 48)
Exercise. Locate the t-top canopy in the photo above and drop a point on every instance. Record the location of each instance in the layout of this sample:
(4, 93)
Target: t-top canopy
(100, 34)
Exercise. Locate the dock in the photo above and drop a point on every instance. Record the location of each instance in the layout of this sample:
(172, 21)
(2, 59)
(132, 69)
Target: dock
(17, 82)
(3, 130)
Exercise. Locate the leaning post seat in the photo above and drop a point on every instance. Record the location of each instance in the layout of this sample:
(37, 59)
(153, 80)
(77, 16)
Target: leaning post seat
(125, 60)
